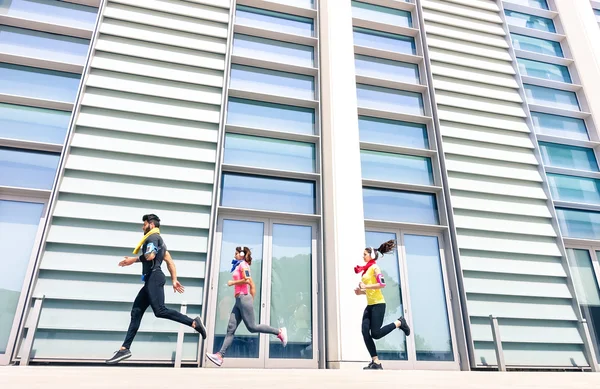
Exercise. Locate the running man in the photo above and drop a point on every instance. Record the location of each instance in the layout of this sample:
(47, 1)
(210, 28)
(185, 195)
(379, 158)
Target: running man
(152, 294)
(372, 282)
(243, 309)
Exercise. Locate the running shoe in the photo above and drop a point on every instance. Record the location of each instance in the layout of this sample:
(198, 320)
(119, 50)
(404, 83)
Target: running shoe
(404, 326)
(373, 366)
(283, 336)
(119, 356)
(200, 327)
(215, 358)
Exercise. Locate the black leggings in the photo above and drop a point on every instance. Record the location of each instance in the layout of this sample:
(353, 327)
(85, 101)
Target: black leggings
(371, 326)
(152, 295)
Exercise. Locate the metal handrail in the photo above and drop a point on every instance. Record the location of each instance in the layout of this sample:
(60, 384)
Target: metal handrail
(497, 343)
(180, 336)
(34, 317)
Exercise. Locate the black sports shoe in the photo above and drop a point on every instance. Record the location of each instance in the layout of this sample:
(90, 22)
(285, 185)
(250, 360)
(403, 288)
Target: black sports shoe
(119, 356)
(200, 327)
(373, 366)
(404, 326)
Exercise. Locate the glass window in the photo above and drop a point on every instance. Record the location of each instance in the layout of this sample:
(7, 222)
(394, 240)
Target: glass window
(272, 82)
(579, 224)
(561, 126)
(597, 14)
(386, 99)
(270, 116)
(381, 14)
(529, 21)
(51, 11)
(393, 132)
(42, 45)
(568, 157)
(530, 3)
(18, 228)
(547, 71)
(400, 206)
(269, 153)
(428, 298)
(297, 3)
(33, 124)
(405, 169)
(537, 45)
(386, 69)
(275, 21)
(584, 279)
(268, 194)
(272, 50)
(575, 189)
(38, 83)
(384, 41)
(555, 98)
(27, 169)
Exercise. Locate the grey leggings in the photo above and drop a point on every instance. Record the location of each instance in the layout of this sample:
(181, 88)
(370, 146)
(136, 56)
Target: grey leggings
(244, 310)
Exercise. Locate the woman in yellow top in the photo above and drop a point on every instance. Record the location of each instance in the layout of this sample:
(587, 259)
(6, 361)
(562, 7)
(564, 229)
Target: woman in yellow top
(372, 282)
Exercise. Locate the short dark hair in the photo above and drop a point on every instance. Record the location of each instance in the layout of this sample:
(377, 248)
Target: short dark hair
(151, 218)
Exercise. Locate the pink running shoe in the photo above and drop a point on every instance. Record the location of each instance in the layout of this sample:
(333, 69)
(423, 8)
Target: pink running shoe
(283, 336)
(216, 358)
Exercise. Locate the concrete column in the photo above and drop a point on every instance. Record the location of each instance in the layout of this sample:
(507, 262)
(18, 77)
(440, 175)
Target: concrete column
(342, 186)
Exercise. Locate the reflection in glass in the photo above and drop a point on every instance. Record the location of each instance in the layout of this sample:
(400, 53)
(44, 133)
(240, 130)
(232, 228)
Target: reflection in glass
(272, 50)
(269, 153)
(579, 224)
(291, 291)
(529, 21)
(270, 116)
(38, 83)
(574, 189)
(392, 346)
(560, 126)
(386, 69)
(400, 206)
(275, 21)
(405, 169)
(555, 98)
(238, 233)
(379, 14)
(27, 169)
(392, 132)
(18, 228)
(384, 41)
(386, 99)
(541, 4)
(268, 194)
(597, 15)
(429, 311)
(536, 45)
(33, 124)
(568, 157)
(272, 82)
(547, 71)
(42, 45)
(51, 11)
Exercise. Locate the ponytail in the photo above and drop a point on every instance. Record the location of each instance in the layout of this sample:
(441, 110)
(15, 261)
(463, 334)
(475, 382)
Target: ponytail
(384, 248)
(246, 253)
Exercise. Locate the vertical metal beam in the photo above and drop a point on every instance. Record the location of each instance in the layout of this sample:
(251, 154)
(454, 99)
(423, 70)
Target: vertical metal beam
(497, 343)
(36, 310)
(180, 336)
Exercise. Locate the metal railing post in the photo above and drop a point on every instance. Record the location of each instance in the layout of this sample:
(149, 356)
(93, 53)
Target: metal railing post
(180, 336)
(34, 317)
(497, 343)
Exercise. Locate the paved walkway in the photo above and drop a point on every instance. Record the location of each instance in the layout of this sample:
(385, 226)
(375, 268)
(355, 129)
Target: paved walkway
(150, 378)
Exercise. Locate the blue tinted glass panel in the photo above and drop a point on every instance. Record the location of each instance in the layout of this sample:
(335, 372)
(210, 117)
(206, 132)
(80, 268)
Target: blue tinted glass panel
(386, 99)
(555, 98)
(541, 4)
(406, 169)
(35, 44)
(51, 11)
(270, 116)
(529, 21)
(561, 126)
(272, 50)
(547, 71)
(568, 157)
(38, 83)
(269, 153)
(33, 124)
(386, 69)
(380, 14)
(268, 194)
(274, 21)
(400, 206)
(27, 169)
(579, 224)
(384, 41)
(393, 132)
(597, 14)
(574, 189)
(272, 82)
(537, 45)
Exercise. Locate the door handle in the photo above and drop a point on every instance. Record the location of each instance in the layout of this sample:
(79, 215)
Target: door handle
(263, 305)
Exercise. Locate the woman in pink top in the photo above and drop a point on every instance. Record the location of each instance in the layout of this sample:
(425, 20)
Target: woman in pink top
(243, 308)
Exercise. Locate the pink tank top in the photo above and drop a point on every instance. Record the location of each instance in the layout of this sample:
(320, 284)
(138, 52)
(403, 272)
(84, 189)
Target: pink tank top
(238, 274)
